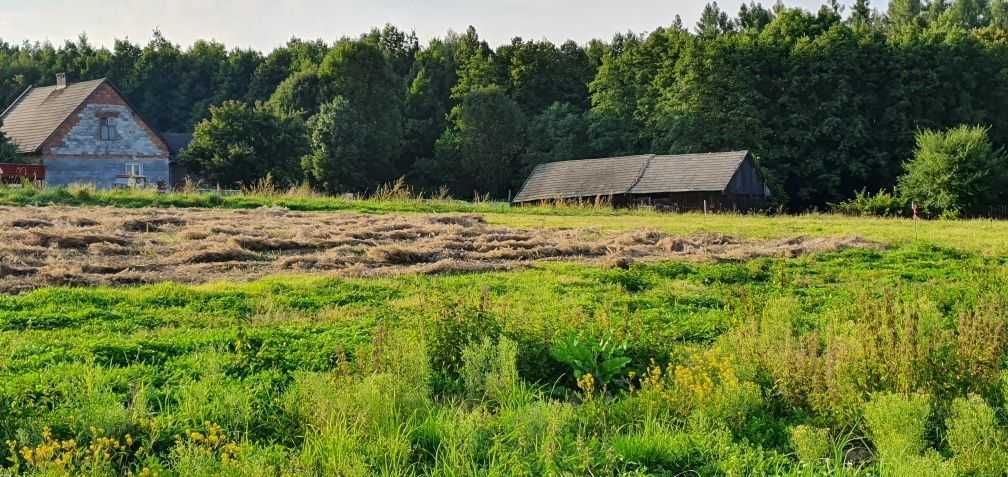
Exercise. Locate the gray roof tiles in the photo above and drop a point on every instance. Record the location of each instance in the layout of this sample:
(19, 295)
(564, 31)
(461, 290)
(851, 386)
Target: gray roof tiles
(585, 178)
(647, 174)
(690, 173)
(40, 111)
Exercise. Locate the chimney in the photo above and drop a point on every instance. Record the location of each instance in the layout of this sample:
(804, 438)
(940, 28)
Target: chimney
(61, 81)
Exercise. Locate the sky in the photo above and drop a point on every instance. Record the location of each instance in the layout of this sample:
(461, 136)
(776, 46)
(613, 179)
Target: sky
(266, 24)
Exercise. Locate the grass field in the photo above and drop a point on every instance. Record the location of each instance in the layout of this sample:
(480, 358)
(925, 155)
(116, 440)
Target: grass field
(860, 361)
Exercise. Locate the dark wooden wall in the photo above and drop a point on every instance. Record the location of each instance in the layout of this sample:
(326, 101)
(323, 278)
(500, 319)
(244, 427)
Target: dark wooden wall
(747, 180)
(716, 202)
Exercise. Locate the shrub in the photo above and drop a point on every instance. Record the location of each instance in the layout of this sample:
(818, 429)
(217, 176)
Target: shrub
(490, 372)
(979, 446)
(955, 172)
(898, 424)
(707, 385)
(811, 444)
(881, 204)
(454, 328)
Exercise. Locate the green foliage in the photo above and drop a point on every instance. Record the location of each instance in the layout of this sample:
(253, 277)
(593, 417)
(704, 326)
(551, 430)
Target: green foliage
(841, 120)
(490, 373)
(8, 150)
(979, 445)
(999, 14)
(450, 334)
(343, 157)
(604, 360)
(812, 445)
(241, 144)
(299, 94)
(482, 143)
(970, 13)
(453, 374)
(898, 425)
(902, 12)
(559, 133)
(714, 21)
(955, 172)
(881, 204)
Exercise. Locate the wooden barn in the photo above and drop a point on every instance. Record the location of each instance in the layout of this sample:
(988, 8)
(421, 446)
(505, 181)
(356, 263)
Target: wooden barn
(87, 133)
(724, 181)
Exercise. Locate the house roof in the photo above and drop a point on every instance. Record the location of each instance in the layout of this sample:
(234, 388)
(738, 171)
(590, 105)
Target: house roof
(648, 174)
(176, 141)
(38, 112)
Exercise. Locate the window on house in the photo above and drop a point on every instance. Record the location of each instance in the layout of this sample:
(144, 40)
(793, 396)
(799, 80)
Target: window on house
(107, 130)
(134, 169)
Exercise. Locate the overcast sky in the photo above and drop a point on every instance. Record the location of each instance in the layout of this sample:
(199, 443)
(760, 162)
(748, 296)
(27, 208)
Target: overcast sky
(265, 24)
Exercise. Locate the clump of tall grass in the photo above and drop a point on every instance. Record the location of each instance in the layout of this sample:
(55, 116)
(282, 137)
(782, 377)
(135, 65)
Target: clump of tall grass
(897, 342)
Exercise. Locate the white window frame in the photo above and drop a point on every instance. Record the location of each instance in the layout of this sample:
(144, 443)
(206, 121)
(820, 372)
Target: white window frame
(134, 169)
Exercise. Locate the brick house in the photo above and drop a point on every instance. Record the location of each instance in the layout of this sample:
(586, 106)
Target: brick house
(87, 133)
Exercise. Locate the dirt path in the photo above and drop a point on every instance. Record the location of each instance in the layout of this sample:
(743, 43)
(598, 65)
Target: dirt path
(92, 246)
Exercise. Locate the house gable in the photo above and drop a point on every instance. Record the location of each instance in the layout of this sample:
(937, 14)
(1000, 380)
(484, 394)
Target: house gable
(105, 125)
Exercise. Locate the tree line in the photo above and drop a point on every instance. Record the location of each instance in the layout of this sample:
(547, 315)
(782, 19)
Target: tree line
(829, 101)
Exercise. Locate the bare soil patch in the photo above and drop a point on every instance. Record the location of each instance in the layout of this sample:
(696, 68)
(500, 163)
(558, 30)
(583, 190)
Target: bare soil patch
(99, 246)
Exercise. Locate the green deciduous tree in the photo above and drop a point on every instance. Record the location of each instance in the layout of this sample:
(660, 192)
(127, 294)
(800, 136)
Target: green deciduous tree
(347, 155)
(483, 142)
(560, 133)
(299, 94)
(241, 143)
(361, 74)
(955, 172)
(428, 100)
(475, 60)
(540, 74)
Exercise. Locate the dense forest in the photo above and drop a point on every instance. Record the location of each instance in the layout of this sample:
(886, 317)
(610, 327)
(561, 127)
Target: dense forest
(829, 101)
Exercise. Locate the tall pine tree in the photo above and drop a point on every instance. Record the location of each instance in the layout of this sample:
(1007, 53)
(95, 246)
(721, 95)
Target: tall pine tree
(902, 12)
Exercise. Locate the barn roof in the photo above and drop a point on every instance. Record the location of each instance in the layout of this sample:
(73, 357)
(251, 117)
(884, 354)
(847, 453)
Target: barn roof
(585, 178)
(648, 174)
(38, 112)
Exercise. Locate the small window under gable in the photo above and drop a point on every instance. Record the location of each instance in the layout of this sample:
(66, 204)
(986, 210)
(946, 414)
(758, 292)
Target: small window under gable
(107, 128)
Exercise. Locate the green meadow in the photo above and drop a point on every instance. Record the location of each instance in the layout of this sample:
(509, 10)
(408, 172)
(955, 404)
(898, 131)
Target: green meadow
(860, 362)
(890, 361)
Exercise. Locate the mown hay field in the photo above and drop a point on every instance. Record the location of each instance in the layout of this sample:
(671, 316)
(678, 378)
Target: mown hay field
(988, 237)
(107, 246)
(626, 345)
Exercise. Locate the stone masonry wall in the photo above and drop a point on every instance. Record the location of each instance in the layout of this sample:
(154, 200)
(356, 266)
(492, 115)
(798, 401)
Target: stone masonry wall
(76, 153)
(100, 172)
(83, 139)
